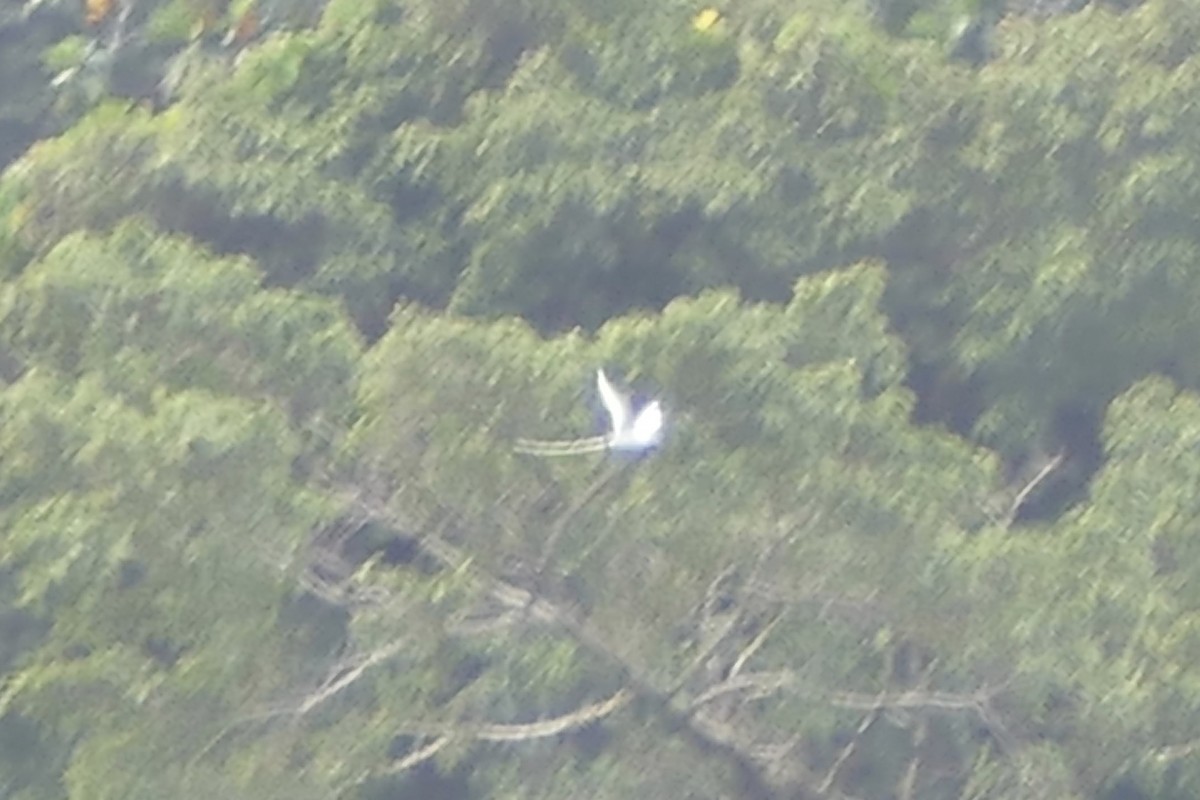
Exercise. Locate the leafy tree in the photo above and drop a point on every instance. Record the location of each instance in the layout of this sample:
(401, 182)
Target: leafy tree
(785, 491)
(148, 312)
(158, 545)
(246, 556)
(1031, 239)
(26, 99)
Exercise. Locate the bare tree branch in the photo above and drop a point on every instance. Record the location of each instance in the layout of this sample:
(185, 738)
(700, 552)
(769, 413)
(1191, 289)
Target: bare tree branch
(756, 644)
(705, 730)
(1177, 751)
(347, 675)
(416, 757)
(712, 641)
(763, 684)
(340, 677)
(552, 727)
(908, 782)
(1047, 469)
(758, 684)
(917, 700)
(831, 776)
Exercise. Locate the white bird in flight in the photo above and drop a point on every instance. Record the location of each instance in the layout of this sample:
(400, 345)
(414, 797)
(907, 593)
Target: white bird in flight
(630, 433)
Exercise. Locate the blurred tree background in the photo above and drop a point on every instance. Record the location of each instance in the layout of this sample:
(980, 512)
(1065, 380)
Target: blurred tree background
(283, 281)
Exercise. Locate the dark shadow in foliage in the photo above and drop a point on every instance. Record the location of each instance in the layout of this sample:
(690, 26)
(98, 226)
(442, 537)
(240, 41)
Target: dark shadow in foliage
(25, 94)
(748, 782)
(11, 366)
(20, 632)
(423, 782)
(1077, 433)
(315, 627)
(563, 292)
(76, 651)
(944, 395)
(28, 759)
(137, 73)
(162, 651)
(675, 62)
(395, 549)
(972, 43)
(18, 134)
(290, 252)
(589, 742)
(467, 668)
(130, 573)
(1127, 789)
(943, 399)
(1172, 785)
(287, 252)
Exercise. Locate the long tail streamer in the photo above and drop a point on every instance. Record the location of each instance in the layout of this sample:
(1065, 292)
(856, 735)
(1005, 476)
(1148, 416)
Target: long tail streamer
(551, 449)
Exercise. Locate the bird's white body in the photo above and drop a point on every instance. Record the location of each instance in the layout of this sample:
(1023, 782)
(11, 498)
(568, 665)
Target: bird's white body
(629, 433)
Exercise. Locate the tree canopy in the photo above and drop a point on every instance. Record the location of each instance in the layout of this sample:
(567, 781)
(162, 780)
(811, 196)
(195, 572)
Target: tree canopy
(282, 285)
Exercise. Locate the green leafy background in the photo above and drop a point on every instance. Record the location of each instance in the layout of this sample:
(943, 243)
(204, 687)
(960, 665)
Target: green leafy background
(282, 283)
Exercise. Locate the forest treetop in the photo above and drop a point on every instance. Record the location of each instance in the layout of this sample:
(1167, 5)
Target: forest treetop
(283, 282)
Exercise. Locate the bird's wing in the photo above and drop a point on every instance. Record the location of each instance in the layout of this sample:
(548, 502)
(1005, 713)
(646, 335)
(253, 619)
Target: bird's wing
(614, 402)
(647, 427)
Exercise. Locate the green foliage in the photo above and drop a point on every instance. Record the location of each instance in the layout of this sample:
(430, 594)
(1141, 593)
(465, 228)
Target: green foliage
(244, 555)
(639, 60)
(812, 472)
(1035, 227)
(148, 311)
(26, 99)
(119, 519)
(67, 53)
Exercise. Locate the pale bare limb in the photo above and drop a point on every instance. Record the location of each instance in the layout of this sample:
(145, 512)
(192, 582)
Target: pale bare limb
(908, 783)
(708, 647)
(764, 684)
(347, 675)
(831, 776)
(522, 731)
(341, 677)
(712, 636)
(1033, 483)
(756, 644)
(542, 729)
(944, 701)
(478, 626)
(415, 758)
(713, 732)
(495, 732)
(758, 684)
(1177, 751)
(714, 590)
